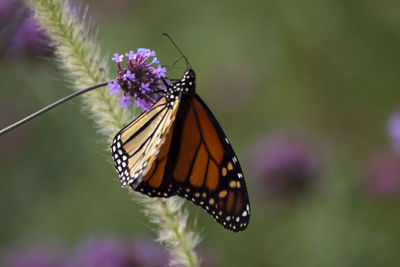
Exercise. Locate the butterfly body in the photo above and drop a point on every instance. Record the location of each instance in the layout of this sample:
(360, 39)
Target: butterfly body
(178, 148)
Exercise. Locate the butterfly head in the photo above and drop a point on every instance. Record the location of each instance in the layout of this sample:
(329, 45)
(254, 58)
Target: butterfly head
(188, 82)
(189, 75)
(185, 86)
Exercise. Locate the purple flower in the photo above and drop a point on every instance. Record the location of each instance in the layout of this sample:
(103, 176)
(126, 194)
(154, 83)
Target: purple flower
(147, 253)
(128, 75)
(145, 88)
(140, 79)
(131, 55)
(125, 101)
(284, 165)
(114, 86)
(118, 58)
(160, 72)
(155, 61)
(6, 7)
(21, 32)
(102, 252)
(393, 129)
(34, 255)
(382, 175)
(141, 52)
(143, 104)
(113, 252)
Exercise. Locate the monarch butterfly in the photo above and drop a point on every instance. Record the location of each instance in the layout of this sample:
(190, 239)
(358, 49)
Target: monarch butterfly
(178, 148)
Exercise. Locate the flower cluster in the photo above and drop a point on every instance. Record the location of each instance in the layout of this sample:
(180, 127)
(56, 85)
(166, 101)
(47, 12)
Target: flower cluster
(140, 79)
(393, 130)
(285, 165)
(382, 175)
(108, 251)
(20, 31)
(96, 251)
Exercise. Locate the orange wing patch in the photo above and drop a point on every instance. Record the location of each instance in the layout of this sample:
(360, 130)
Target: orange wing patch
(230, 201)
(238, 203)
(189, 144)
(157, 178)
(199, 168)
(212, 176)
(209, 133)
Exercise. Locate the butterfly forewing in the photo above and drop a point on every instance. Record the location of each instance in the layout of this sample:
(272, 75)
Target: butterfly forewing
(155, 182)
(135, 147)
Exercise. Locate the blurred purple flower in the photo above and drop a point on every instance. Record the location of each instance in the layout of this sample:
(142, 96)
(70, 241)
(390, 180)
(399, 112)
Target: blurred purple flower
(29, 40)
(34, 255)
(393, 129)
(97, 251)
(148, 253)
(102, 252)
(6, 7)
(382, 175)
(112, 252)
(285, 165)
(20, 32)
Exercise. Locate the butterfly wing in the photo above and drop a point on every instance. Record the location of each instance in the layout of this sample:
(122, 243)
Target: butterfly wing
(206, 170)
(135, 148)
(157, 182)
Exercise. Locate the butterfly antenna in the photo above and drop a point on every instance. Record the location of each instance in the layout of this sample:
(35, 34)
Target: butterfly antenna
(173, 65)
(51, 106)
(177, 48)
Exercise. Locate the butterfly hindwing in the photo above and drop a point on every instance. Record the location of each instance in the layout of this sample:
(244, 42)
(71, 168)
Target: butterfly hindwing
(206, 170)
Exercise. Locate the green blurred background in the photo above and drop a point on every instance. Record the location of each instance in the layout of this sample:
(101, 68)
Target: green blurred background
(328, 68)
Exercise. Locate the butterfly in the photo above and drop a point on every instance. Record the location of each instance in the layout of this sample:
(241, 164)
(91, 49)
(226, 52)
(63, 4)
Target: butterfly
(178, 148)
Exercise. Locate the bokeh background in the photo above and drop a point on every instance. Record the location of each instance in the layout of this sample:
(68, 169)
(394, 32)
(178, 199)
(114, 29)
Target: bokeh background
(307, 92)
